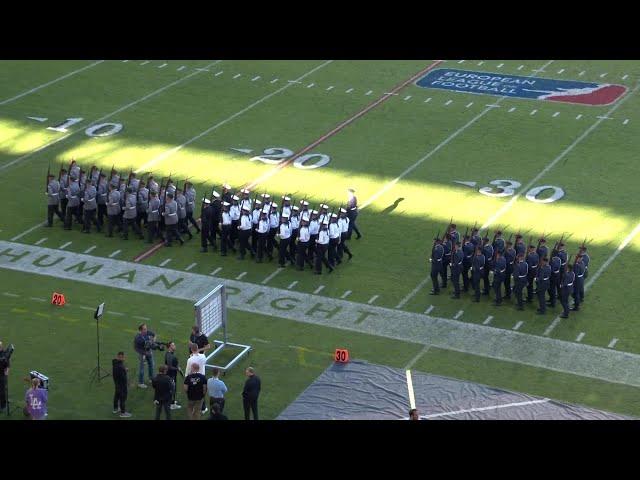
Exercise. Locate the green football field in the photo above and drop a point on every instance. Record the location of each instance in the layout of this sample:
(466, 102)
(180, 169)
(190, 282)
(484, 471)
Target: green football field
(348, 124)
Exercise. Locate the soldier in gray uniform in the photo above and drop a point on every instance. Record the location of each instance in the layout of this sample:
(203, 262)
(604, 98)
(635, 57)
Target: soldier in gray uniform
(113, 209)
(73, 194)
(122, 188)
(142, 203)
(64, 183)
(170, 215)
(153, 217)
(53, 198)
(130, 214)
(102, 193)
(183, 227)
(74, 169)
(90, 205)
(190, 195)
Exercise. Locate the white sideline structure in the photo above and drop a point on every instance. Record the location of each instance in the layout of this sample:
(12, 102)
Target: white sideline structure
(211, 314)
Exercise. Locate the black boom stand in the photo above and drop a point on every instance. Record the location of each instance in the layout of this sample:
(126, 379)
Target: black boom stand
(97, 373)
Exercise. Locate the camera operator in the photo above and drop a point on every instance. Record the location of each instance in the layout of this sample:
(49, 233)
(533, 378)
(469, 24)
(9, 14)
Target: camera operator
(4, 376)
(200, 339)
(173, 367)
(142, 344)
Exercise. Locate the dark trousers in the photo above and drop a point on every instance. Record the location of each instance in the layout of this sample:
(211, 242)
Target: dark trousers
(518, 289)
(498, 280)
(190, 220)
(102, 212)
(455, 279)
(119, 399)
(542, 289)
(333, 251)
(262, 243)
(530, 277)
(250, 403)
(63, 205)
(173, 378)
(3, 391)
(342, 247)
(183, 227)
(564, 300)
(475, 283)
(321, 258)
(51, 209)
(435, 271)
(172, 232)
(312, 247)
(163, 405)
(271, 242)
(507, 282)
(205, 236)
(113, 222)
(578, 292)
(225, 240)
(89, 218)
(219, 401)
(233, 233)
(254, 238)
(141, 217)
(244, 241)
(443, 271)
(352, 225)
(301, 254)
(485, 278)
(466, 266)
(292, 243)
(127, 222)
(554, 289)
(283, 253)
(152, 231)
(72, 211)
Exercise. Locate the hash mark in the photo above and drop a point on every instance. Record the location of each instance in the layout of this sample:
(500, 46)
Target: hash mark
(581, 73)
(518, 325)
(346, 294)
(625, 77)
(349, 91)
(113, 254)
(257, 77)
(580, 337)
(145, 62)
(181, 68)
(448, 102)
(427, 100)
(428, 310)
(461, 61)
(625, 122)
(219, 73)
(613, 343)
(310, 85)
(274, 80)
(372, 299)
(458, 315)
(560, 71)
(555, 114)
(501, 65)
(511, 109)
(407, 97)
(237, 75)
(533, 112)
(292, 284)
(241, 275)
(190, 266)
(469, 104)
(164, 262)
(319, 289)
(369, 92)
(488, 320)
(603, 75)
(41, 241)
(520, 67)
(216, 271)
(579, 116)
(163, 65)
(480, 63)
(330, 88)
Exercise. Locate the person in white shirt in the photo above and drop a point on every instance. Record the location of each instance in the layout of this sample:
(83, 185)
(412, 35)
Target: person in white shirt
(255, 218)
(314, 228)
(199, 359)
(321, 249)
(263, 232)
(234, 211)
(334, 239)
(294, 220)
(343, 223)
(303, 243)
(284, 235)
(274, 222)
(225, 235)
(244, 230)
(286, 206)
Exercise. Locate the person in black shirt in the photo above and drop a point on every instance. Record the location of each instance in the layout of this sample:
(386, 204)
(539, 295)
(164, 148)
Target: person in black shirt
(216, 414)
(199, 339)
(195, 384)
(163, 387)
(4, 374)
(250, 394)
(119, 374)
(173, 367)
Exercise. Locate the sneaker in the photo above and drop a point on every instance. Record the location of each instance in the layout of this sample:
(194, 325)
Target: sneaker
(116, 411)
(204, 411)
(142, 385)
(125, 415)
(175, 406)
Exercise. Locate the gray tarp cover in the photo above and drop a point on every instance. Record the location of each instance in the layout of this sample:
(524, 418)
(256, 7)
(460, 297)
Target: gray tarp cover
(359, 390)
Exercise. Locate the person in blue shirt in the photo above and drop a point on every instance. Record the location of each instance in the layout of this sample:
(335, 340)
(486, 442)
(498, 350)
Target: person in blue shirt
(216, 390)
(142, 346)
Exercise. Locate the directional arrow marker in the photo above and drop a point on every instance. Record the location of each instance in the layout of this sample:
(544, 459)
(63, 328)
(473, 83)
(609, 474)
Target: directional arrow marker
(468, 184)
(38, 119)
(242, 150)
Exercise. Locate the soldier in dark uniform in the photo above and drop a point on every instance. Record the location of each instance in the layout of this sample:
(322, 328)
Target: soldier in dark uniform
(488, 252)
(225, 225)
(585, 261)
(475, 238)
(468, 250)
(453, 233)
(226, 193)
(153, 217)
(446, 259)
(543, 281)
(520, 273)
(566, 287)
(457, 259)
(520, 247)
(532, 260)
(477, 272)
(437, 255)
(216, 209)
(53, 199)
(556, 277)
(206, 218)
(542, 250)
(498, 243)
(510, 258)
(578, 286)
(499, 272)
(352, 214)
(562, 253)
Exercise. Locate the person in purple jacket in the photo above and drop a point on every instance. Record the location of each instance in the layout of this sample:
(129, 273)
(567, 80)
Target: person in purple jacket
(36, 401)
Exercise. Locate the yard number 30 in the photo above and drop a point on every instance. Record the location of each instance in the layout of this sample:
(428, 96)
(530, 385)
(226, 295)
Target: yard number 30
(506, 188)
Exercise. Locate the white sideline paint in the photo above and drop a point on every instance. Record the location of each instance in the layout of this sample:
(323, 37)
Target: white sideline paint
(241, 275)
(413, 361)
(318, 290)
(271, 276)
(488, 320)
(413, 292)
(546, 169)
(216, 271)
(113, 254)
(26, 232)
(612, 343)
(412, 397)
(346, 294)
(190, 266)
(518, 325)
(501, 344)
(372, 299)
(580, 337)
(44, 85)
(90, 249)
(95, 122)
(482, 409)
(428, 310)
(173, 150)
(458, 315)
(292, 284)
(64, 245)
(553, 325)
(165, 262)
(42, 240)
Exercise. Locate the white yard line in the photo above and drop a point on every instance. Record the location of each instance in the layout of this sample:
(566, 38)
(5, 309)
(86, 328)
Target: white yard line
(42, 240)
(551, 327)
(64, 245)
(115, 112)
(612, 343)
(404, 301)
(39, 87)
(272, 275)
(9, 294)
(613, 256)
(412, 397)
(165, 262)
(518, 325)
(553, 163)
(26, 232)
(373, 299)
(488, 320)
(458, 315)
(113, 254)
(580, 337)
(346, 294)
(239, 277)
(482, 409)
(90, 249)
(319, 289)
(114, 313)
(216, 271)
(173, 150)
(190, 266)
(429, 310)
(413, 361)
(36, 299)
(292, 284)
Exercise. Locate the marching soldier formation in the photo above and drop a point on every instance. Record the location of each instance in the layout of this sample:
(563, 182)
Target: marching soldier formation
(486, 265)
(258, 226)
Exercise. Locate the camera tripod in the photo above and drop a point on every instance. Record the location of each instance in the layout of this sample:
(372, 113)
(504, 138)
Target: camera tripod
(98, 373)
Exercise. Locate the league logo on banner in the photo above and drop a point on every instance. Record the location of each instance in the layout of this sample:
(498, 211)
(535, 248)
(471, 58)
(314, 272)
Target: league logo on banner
(565, 91)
